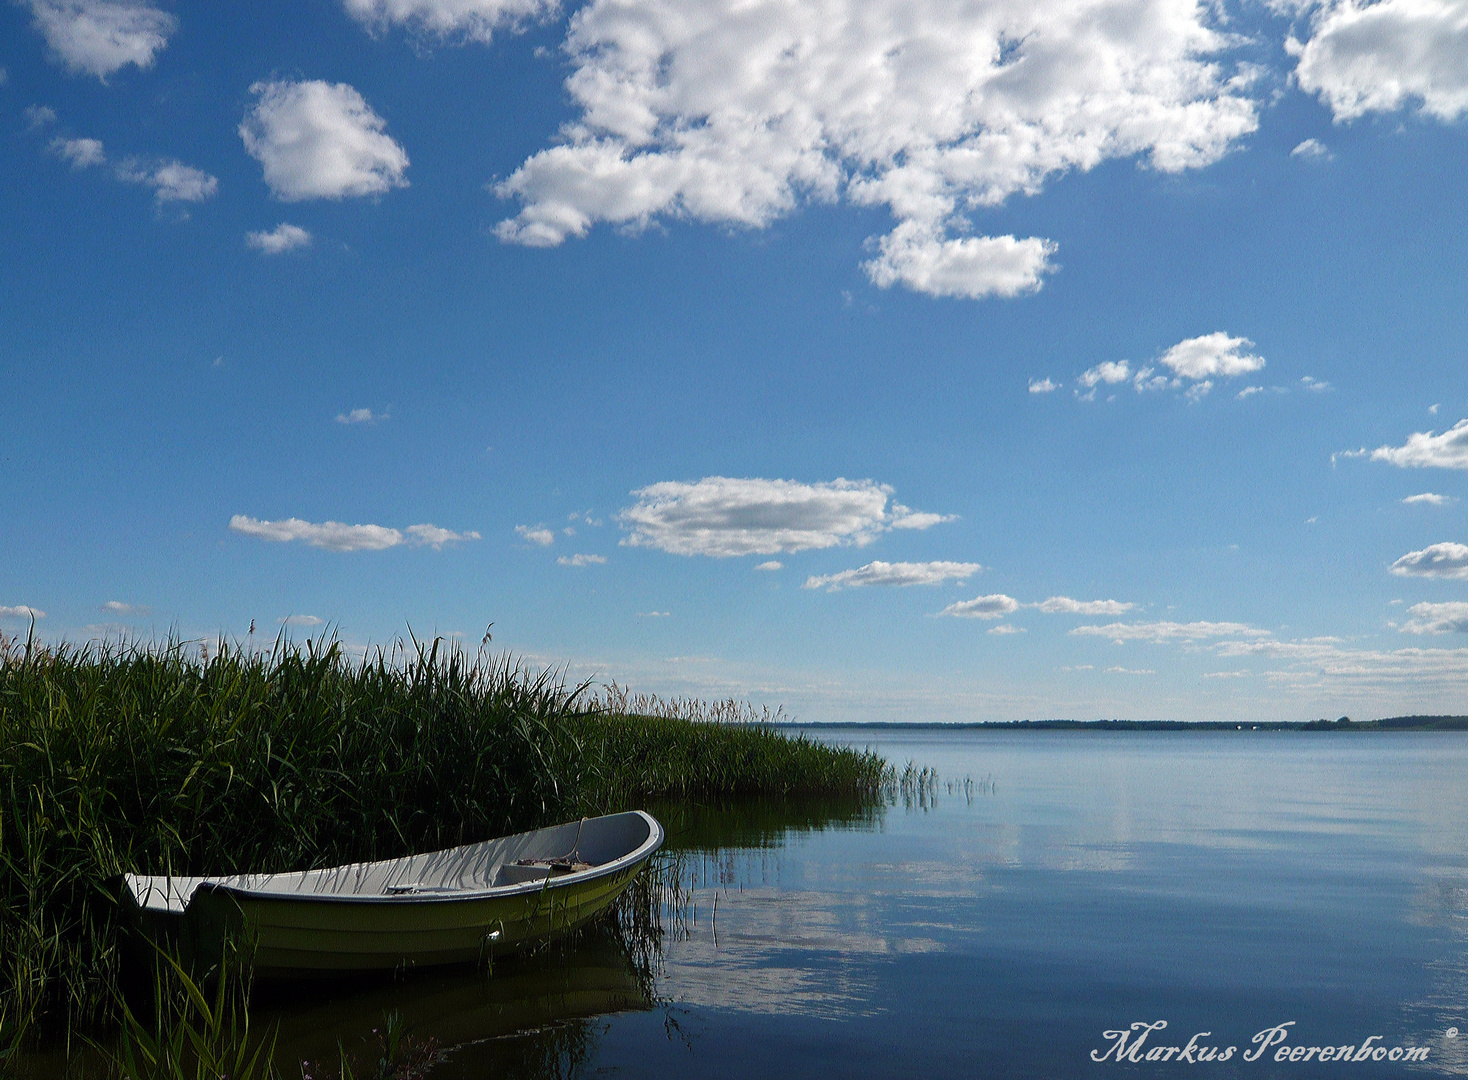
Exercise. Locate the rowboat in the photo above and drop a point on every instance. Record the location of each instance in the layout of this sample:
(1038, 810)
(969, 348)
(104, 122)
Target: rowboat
(441, 907)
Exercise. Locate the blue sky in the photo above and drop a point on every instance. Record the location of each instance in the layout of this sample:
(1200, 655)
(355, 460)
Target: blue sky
(878, 360)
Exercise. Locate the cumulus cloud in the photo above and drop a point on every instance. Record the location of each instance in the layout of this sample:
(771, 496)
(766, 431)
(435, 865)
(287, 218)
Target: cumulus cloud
(1424, 450)
(1434, 561)
(299, 620)
(320, 140)
(995, 606)
(902, 574)
(722, 516)
(582, 560)
(99, 37)
(171, 181)
(972, 267)
(1160, 632)
(117, 607)
(1006, 628)
(284, 237)
(1381, 56)
(772, 565)
(38, 116)
(335, 536)
(538, 534)
(1311, 150)
(1064, 605)
(1109, 372)
(472, 19)
(79, 153)
(1449, 618)
(720, 112)
(1427, 498)
(1215, 355)
(1043, 386)
(361, 416)
(21, 611)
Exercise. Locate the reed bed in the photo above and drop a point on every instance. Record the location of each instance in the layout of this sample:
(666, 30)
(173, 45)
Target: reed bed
(160, 758)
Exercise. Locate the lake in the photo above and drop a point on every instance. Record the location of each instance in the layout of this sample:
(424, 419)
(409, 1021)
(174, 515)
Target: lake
(1052, 887)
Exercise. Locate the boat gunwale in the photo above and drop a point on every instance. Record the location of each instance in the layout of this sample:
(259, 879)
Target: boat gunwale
(643, 851)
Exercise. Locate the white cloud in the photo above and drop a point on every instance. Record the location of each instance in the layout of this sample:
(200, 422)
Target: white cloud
(1434, 561)
(1211, 356)
(320, 140)
(1427, 498)
(284, 237)
(972, 267)
(1249, 391)
(80, 153)
(771, 565)
(98, 37)
(1312, 150)
(1314, 385)
(719, 111)
(21, 611)
(538, 534)
(171, 181)
(436, 538)
(299, 620)
(1434, 408)
(335, 536)
(37, 116)
(1064, 605)
(1043, 386)
(1129, 671)
(901, 574)
(361, 416)
(1449, 618)
(473, 19)
(1108, 371)
(1199, 390)
(1006, 628)
(1424, 450)
(1365, 57)
(653, 614)
(995, 606)
(723, 516)
(117, 607)
(582, 560)
(1159, 632)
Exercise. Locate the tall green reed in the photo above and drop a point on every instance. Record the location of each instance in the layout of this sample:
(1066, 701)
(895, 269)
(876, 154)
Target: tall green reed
(163, 759)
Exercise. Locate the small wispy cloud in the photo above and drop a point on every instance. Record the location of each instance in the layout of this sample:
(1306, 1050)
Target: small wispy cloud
(772, 565)
(653, 614)
(899, 574)
(1312, 150)
(362, 416)
(1428, 498)
(1042, 386)
(337, 536)
(299, 620)
(1064, 605)
(1006, 628)
(117, 607)
(582, 560)
(1164, 631)
(536, 534)
(171, 181)
(1129, 671)
(38, 116)
(21, 611)
(79, 153)
(284, 237)
(994, 606)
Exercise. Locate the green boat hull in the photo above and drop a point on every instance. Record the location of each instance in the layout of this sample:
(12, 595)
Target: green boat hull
(459, 906)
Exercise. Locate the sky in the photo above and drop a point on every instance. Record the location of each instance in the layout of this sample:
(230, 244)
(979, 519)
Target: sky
(872, 359)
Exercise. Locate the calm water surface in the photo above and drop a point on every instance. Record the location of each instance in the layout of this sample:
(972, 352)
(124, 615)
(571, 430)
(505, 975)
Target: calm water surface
(1223, 882)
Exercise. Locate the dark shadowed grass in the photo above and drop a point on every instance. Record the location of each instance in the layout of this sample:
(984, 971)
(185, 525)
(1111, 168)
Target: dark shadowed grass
(159, 758)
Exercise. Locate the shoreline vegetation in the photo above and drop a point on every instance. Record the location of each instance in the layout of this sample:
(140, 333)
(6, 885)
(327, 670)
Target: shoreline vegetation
(167, 758)
(1345, 723)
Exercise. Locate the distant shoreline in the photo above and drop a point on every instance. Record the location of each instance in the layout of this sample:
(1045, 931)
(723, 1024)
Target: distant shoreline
(1391, 723)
